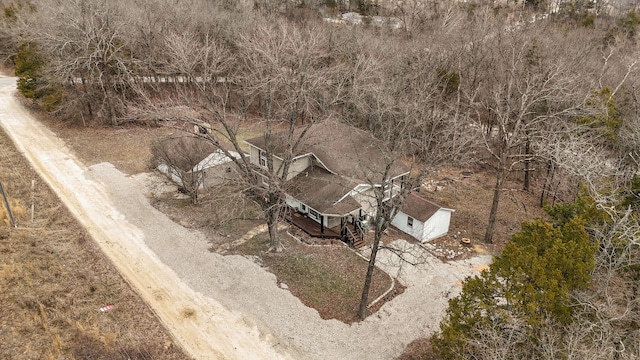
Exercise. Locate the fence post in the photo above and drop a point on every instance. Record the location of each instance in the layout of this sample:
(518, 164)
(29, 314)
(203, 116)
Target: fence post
(6, 204)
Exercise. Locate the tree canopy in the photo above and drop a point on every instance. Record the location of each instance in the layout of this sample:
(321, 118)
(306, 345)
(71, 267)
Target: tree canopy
(528, 286)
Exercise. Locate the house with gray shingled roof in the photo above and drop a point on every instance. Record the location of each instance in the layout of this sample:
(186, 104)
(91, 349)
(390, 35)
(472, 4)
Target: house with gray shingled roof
(331, 177)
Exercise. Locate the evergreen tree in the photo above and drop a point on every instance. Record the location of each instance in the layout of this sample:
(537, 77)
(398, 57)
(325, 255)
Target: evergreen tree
(29, 62)
(32, 83)
(527, 287)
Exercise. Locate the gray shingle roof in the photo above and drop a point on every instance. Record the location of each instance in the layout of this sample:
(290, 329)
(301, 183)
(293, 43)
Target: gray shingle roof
(321, 190)
(419, 207)
(345, 150)
(185, 152)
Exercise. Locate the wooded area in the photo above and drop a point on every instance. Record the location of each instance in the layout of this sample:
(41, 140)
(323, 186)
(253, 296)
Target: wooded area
(536, 91)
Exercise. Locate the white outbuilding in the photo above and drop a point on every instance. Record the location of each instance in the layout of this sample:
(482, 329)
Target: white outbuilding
(211, 170)
(422, 218)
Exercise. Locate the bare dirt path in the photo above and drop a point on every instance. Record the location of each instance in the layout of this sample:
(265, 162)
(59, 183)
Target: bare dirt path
(223, 306)
(205, 328)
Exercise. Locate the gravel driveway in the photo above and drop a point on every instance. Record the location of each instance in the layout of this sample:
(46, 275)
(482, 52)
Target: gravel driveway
(217, 306)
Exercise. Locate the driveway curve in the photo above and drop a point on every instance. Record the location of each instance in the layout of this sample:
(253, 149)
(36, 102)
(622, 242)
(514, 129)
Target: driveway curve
(202, 326)
(222, 307)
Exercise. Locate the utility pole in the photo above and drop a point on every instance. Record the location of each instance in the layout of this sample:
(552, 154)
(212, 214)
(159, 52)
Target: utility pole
(6, 204)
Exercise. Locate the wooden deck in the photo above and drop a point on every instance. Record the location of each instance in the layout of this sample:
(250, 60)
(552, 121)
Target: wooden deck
(311, 227)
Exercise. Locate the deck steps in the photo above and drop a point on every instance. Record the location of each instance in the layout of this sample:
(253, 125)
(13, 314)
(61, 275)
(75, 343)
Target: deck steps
(358, 243)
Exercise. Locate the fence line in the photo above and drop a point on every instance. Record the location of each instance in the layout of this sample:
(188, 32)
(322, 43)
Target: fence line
(6, 204)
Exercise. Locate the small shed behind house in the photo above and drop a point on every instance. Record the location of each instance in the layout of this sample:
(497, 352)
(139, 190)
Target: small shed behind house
(422, 219)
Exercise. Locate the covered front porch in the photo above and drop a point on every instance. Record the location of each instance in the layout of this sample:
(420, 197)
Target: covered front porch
(311, 226)
(349, 230)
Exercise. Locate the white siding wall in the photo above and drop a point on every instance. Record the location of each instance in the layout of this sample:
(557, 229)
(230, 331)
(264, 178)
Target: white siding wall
(368, 201)
(437, 225)
(332, 221)
(297, 204)
(298, 166)
(255, 158)
(218, 174)
(170, 173)
(254, 154)
(292, 202)
(400, 221)
(175, 176)
(277, 163)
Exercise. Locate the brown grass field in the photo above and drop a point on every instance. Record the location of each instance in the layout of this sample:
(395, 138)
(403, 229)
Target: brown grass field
(54, 280)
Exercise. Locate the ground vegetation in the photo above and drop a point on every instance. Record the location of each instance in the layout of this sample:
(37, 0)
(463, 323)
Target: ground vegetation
(543, 98)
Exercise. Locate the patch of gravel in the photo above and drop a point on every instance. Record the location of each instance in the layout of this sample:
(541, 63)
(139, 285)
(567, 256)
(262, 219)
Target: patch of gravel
(157, 185)
(243, 286)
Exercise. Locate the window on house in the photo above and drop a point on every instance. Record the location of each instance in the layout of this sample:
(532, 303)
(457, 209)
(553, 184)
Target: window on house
(313, 213)
(262, 158)
(409, 221)
(265, 180)
(303, 207)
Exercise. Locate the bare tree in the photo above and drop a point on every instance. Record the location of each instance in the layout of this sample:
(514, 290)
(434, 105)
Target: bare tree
(87, 45)
(411, 111)
(180, 157)
(574, 151)
(499, 340)
(524, 90)
(286, 79)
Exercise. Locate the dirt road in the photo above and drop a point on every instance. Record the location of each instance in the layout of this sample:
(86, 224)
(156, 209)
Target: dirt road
(203, 327)
(225, 307)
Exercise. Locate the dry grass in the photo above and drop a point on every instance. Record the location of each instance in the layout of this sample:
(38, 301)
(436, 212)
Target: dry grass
(53, 281)
(127, 147)
(470, 195)
(221, 224)
(17, 210)
(327, 278)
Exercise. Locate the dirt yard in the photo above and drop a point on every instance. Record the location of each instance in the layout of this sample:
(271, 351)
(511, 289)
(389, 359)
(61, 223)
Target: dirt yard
(470, 194)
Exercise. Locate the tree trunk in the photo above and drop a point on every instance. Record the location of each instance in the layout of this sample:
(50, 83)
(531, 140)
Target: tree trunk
(527, 166)
(88, 98)
(488, 236)
(555, 193)
(106, 87)
(273, 215)
(193, 194)
(274, 236)
(362, 311)
(547, 183)
(111, 113)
